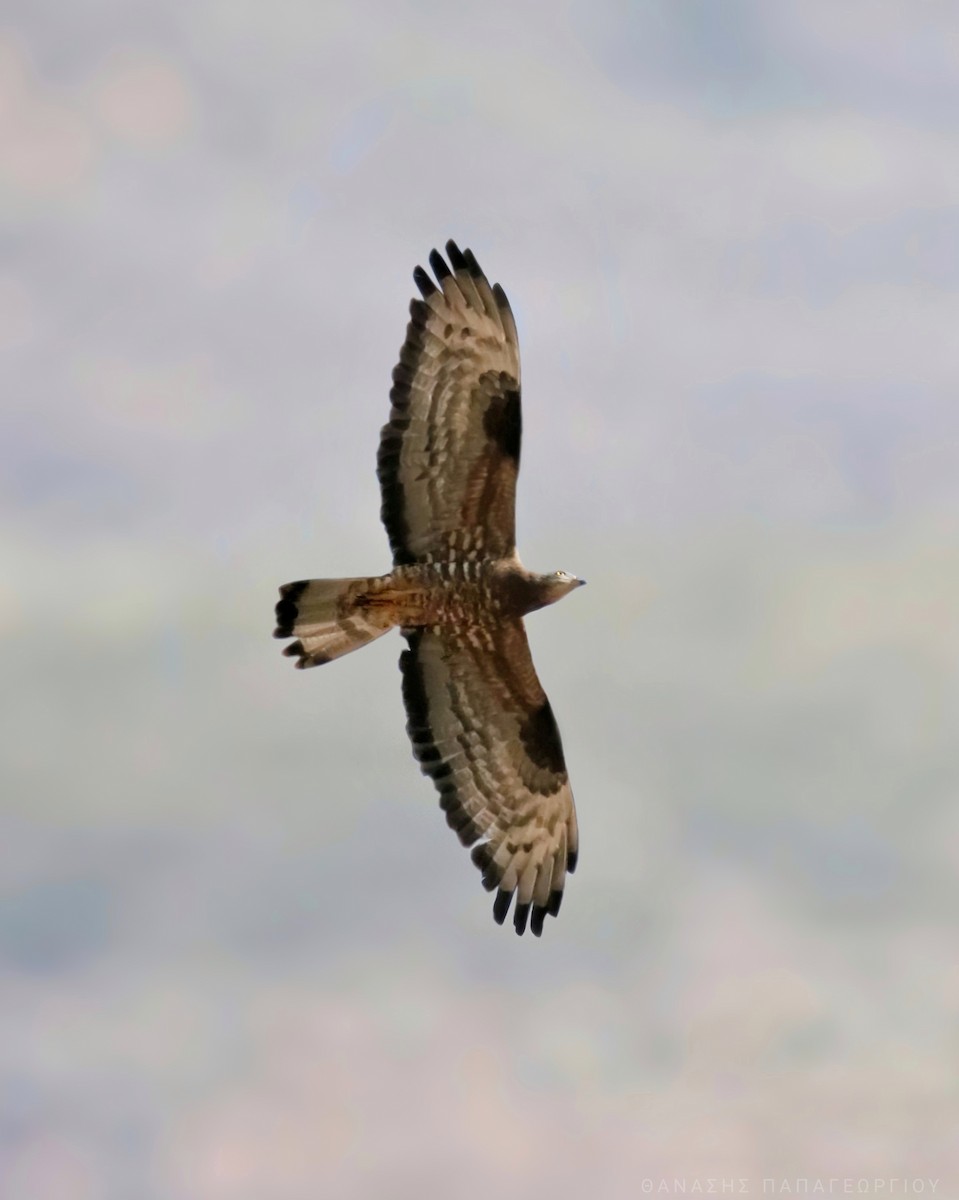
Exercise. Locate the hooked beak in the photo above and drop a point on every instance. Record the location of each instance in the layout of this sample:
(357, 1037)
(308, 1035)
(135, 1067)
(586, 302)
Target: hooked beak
(581, 582)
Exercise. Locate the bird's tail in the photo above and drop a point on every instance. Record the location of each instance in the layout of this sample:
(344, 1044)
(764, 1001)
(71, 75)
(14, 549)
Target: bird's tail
(329, 618)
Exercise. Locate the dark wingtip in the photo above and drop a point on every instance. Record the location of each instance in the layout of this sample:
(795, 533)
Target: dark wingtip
(456, 257)
(481, 855)
(520, 917)
(501, 906)
(572, 858)
(286, 607)
(440, 269)
(471, 264)
(483, 858)
(303, 659)
(537, 917)
(554, 902)
(503, 424)
(500, 297)
(426, 285)
(286, 613)
(419, 312)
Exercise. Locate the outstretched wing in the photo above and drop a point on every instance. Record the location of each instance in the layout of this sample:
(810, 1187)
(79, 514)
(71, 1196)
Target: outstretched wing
(482, 728)
(449, 455)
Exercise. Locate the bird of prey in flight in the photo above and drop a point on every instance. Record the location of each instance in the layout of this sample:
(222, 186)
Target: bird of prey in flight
(479, 720)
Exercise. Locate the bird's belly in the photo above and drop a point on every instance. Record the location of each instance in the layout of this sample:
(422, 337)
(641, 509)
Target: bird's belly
(439, 595)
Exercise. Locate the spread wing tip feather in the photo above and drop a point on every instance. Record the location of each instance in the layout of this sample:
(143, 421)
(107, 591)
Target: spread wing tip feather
(455, 255)
(440, 268)
(463, 260)
(504, 306)
(536, 913)
(426, 285)
(303, 657)
(471, 264)
(529, 914)
(459, 261)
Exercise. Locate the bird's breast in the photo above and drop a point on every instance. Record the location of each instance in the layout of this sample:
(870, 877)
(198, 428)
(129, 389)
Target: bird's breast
(454, 593)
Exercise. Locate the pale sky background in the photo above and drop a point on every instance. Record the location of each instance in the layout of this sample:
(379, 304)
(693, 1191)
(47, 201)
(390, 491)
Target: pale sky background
(241, 956)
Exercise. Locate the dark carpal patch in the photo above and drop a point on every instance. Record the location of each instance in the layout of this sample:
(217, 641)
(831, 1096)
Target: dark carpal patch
(541, 741)
(503, 423)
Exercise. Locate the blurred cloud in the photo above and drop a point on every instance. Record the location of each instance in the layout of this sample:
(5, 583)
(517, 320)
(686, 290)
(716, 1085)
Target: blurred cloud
(142, 100)
(46, 148)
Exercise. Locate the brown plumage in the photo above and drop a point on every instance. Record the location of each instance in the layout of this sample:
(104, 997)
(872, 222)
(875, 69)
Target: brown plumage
(480, 723)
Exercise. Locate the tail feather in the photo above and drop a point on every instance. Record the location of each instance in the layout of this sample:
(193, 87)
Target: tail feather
(323, 616)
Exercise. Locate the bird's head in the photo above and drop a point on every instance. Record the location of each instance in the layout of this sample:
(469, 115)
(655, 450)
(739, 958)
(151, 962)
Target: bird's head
(559, 584)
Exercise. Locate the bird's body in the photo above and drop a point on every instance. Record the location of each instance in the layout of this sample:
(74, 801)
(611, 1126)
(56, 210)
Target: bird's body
(460, 593)
(479, 721)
